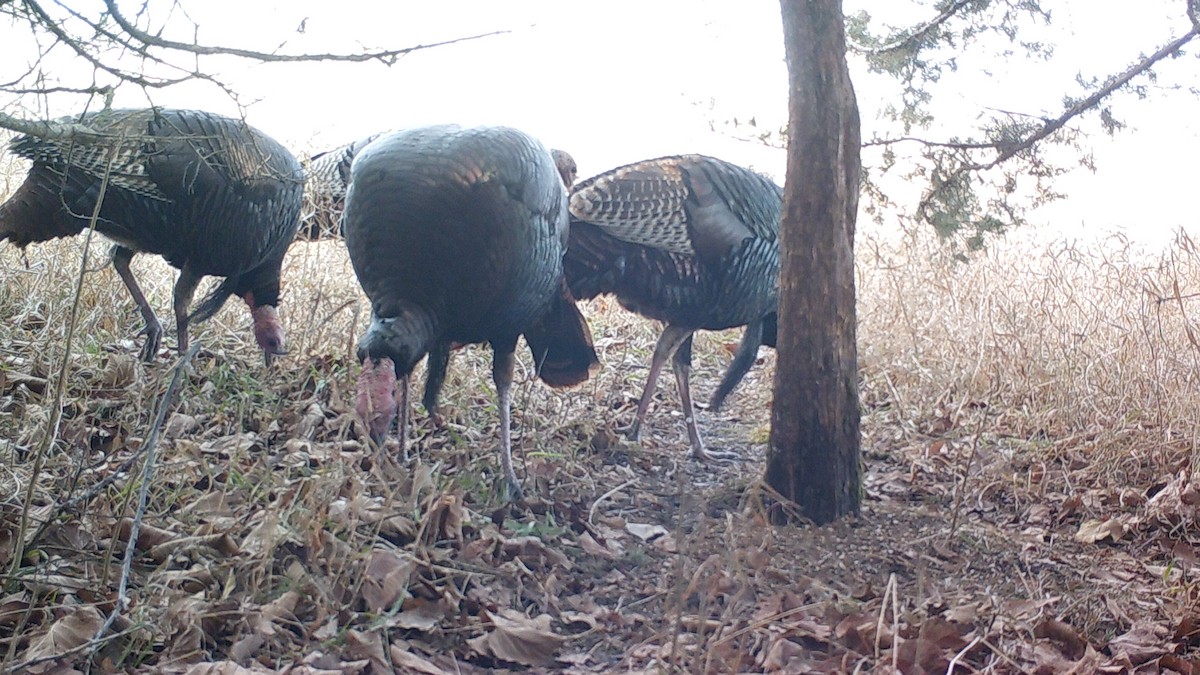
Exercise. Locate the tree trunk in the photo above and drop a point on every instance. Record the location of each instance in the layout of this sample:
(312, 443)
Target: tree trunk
(814, 454)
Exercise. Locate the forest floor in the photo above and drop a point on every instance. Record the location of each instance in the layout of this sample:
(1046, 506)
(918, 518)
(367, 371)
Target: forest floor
(1029, 441)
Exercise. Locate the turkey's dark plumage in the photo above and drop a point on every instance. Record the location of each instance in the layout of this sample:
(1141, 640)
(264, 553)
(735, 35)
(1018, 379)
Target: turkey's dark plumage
(691, 241)
(326, 176)
(457, 236)
(212, 195)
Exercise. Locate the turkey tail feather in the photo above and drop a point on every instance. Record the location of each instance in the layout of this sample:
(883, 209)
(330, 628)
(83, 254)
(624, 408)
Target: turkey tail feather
(214, 301)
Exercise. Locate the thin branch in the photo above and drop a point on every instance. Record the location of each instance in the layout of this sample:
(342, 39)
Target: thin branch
(88, 91)
(949, 145)
(46, 21)
(388, 57)
(917, 34)
(59, 131)
(1088, 103)
(60, 388)
(135, 527)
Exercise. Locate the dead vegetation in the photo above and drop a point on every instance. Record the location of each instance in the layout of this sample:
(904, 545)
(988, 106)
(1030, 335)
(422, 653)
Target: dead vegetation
(1029, 432)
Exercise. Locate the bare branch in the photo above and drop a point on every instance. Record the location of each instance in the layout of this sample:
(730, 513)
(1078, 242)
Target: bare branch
(950, 145)
(917, 34)
(46, 21)
(77, 133)
(388, 57)
(1090, 102)
(148, 467)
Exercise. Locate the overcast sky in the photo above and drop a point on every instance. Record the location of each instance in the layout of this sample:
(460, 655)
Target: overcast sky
(623, 80)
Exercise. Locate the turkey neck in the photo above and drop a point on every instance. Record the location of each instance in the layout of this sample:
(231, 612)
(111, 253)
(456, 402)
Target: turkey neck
(402, 332)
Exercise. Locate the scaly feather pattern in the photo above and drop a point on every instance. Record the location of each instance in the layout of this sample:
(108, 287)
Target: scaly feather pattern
(326, 177)
(212, 195)
(691, 241)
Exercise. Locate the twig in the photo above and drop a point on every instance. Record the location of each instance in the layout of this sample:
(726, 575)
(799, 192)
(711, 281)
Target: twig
(160, 416)
(916, 35)
(387, 57)
(23, 666)
(888, 591)
(962, 487)
(60, 382)
(606, 495)
(961, 653)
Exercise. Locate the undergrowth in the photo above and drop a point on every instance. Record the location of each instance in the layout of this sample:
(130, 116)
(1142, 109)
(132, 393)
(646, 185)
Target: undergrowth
(1029, 434)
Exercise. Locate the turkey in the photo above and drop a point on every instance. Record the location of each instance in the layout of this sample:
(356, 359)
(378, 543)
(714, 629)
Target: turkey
(457, 237)
(328, 173)
(565, 164)
(439, 361)
(210, 194)
(691, 241)
(326, 176)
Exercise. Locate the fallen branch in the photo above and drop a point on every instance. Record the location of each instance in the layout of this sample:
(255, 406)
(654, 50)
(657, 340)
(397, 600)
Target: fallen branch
(160, 417)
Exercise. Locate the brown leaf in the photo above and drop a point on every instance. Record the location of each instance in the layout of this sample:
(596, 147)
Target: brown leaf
(646, 533)
(12, 608)
(1179, 664)
(227, 446)
(1142, 643)
(1092, 531)
(594, 548)
(421, 615)
(364, 645)
(517, 639)
(786, 656)
(265, 536)
(444, 520)
(1062, 633)
(314, 418)
(533, 552)
(148, 535)
(178, 425)
(245, 649)
(386, 579)
(1025, 610)
(67, 632)
(224, 668)
(573, 620)
(408, 662)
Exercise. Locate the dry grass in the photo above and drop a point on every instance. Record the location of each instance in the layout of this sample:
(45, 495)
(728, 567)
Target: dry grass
(1047, 390)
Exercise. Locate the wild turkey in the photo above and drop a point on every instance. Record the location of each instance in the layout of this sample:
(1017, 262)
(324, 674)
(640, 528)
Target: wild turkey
(457, 236)
(691, 241)
(212, 195)
(439, 360)
(326, 176)
(565, 164)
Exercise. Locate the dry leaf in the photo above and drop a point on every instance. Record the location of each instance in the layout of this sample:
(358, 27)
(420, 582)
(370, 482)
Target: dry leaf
(368, 646)
(646, 532)
(408, 662)
(1073, 644)
(421, 615)
(1092, 531)
(517, 639)
(68, 632)
(386, 579)
(594, 548)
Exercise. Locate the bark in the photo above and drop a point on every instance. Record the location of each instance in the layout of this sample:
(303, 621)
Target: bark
(814, 454)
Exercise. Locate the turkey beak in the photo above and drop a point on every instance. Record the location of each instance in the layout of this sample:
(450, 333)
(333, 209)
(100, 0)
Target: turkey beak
(269, 357)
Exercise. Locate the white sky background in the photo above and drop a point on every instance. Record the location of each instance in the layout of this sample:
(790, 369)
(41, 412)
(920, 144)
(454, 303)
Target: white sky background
(624, 80)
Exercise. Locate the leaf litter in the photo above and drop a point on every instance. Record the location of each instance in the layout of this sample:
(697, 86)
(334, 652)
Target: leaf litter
(278, 540)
